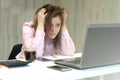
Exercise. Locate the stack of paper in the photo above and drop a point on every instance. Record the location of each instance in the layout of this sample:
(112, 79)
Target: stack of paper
(58, 56)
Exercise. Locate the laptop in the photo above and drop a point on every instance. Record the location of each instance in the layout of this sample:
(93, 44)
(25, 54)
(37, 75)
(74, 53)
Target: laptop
(101, 47)
(14, 63)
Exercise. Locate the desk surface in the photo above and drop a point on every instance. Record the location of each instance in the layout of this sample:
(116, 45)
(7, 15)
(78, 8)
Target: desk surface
(38, 70)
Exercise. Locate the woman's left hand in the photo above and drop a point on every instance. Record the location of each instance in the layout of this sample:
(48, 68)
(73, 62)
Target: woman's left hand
(65, 19)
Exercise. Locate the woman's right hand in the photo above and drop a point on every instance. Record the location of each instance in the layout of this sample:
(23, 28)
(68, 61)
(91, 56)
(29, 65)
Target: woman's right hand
(41, 18)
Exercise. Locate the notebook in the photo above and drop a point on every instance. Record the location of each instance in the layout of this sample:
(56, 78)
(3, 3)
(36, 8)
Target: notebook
(101, 47)
(14, 63)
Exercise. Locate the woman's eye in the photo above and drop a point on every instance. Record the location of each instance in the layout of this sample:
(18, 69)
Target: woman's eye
(58, 25)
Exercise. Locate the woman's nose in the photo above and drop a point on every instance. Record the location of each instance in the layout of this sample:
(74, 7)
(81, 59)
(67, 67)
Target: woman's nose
(53, 28)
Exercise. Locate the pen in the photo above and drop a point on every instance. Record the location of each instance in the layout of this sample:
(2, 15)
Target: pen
(4, 66)
(0, 65)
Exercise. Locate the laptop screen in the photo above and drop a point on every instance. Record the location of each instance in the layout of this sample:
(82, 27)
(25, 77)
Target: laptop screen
(102, 45)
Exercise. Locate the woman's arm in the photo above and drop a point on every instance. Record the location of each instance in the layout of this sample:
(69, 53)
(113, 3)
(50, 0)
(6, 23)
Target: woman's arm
(35, 39)
(67, 45)
(32, 38)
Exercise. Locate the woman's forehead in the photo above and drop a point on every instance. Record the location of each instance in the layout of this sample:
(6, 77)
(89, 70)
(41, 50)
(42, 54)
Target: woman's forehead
(56, 20)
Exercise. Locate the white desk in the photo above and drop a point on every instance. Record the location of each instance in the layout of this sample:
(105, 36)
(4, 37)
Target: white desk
(38, 70)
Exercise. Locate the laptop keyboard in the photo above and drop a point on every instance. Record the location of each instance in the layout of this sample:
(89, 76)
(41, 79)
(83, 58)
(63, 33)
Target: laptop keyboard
(75, 61)
(71, 60)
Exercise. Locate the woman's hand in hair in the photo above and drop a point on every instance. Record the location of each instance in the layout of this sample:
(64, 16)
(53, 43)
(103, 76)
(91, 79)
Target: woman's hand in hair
(41, 18)
(65, 20)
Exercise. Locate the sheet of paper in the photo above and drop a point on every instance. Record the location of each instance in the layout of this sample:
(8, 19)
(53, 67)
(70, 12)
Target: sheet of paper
(58, 56)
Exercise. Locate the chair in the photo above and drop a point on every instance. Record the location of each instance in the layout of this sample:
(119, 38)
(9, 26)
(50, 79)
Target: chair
(15, 50)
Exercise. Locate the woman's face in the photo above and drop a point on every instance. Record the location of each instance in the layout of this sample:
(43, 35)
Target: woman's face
(54, 28)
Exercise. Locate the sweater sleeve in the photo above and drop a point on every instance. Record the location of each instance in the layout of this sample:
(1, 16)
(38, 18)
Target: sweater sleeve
(67, 45)
(32, 39)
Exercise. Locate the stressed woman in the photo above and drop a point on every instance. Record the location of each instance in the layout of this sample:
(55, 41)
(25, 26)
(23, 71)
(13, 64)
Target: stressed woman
(47, 34)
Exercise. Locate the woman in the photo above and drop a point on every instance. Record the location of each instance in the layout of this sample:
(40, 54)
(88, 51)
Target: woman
(47, 34)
